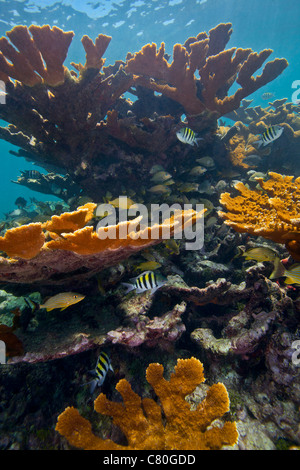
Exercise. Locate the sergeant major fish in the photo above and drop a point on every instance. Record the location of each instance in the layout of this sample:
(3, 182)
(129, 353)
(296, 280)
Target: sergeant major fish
(271, 134)
(148, 280)
(187, 136)
(102, 366)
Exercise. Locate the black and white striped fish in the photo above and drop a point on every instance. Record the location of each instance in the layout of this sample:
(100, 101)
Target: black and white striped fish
(271, 134)
(148, 280)
(31, 174)
(101, 369)
(187, 136)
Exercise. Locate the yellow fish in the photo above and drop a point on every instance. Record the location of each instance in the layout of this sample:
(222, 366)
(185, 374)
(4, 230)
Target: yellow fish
(62, 301)
(159, 189)
(161, 177)
(188, 187)
(259, 253)
(172, 246)
(262, 253)
(147, 266)
(291, 274)
(197, 171)
(122, 203)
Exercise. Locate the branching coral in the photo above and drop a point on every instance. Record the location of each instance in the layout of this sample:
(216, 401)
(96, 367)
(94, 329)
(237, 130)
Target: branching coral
(217, 68)
(80, 121)
(141, 419)
(273, 213)
(76, 249)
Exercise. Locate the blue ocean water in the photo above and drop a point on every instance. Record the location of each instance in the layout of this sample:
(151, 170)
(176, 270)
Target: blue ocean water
(256, 24)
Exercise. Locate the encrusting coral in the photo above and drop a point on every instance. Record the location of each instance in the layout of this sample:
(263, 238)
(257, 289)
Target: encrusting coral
(77, 249)
(140, 419)
(273, 212)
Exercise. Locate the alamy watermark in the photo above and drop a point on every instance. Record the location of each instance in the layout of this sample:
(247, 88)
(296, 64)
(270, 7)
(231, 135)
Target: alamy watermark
(155, 219)
(2, 92)
(2, 352)
(296, 93)
(296, 353)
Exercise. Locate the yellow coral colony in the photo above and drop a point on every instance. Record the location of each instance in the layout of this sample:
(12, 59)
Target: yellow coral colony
(272, 213)
(140, 419)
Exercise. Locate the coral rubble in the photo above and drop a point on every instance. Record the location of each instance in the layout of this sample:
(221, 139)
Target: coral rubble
(141, 420)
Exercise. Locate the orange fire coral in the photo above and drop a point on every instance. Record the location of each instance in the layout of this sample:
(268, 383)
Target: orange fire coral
(70, 221)
(23, 242)
(272, 213)
(140, 419)
(76, 248)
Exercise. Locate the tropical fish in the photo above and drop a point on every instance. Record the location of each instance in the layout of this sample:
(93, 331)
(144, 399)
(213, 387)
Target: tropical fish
(147, 266)
(187, 136)
(207, 161)
(155, 169)
(188, 187)
(259, 253)
(62, 301)
(271, 134)
(172, 246)
(31, 174)
(252, 159)
(292, 274)
(148, 280)
(161, 177)
(197, 171)
(122, 202)
(21, 202)
(263, 253)
(16, 213)
(159, 189)
(268, 95)
(100, 372)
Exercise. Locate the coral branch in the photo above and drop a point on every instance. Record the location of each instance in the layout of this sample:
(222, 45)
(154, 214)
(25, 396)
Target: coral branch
(141, 419)
(78, 247)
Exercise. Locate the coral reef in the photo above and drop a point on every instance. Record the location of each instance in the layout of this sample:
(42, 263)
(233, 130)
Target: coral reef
(251, 122)
(80, 122)
(249, 330)
(76, 250)
(160, 331)
(97, 144)
(272, 213)
(141, 420)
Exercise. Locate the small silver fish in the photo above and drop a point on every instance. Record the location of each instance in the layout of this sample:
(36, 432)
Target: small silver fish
(187, 136)
(268, 95)
(148, 280)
